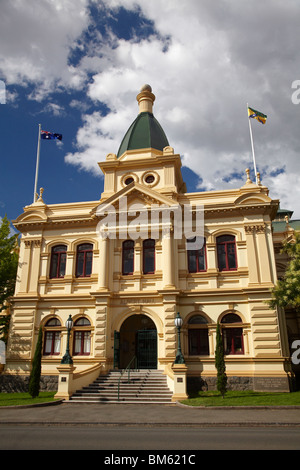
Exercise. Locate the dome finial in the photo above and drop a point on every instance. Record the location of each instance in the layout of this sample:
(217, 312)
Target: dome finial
(145, 99)
(146, 87)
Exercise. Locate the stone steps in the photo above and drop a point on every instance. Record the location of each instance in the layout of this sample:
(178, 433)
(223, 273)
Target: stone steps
(145, 386)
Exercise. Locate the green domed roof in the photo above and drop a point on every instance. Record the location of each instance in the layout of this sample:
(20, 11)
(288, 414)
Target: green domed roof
(144, 132)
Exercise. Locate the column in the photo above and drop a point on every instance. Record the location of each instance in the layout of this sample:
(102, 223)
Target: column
(103, 264)
(168, 260)
(252, 255)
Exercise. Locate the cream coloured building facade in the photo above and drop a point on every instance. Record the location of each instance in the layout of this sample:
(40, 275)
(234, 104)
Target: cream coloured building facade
(123, 280)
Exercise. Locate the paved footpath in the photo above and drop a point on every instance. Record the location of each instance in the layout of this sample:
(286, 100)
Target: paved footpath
(151, 415)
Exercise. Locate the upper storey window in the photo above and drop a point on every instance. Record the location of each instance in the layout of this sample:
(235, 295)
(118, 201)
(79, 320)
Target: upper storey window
(196, 258)
(148, 256)
(84, 260)
(226, 248)
(128, 257)
(58, 261)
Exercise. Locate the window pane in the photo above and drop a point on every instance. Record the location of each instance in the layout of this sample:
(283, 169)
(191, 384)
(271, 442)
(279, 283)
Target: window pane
(62, 265)
(48, 343)
(197, 320)
(231, 318)
(77, 347)
(88, 263)
(80, 263)
(192, 261)
(87, 343)
(233, 341)
(231, 256)
(201, 260)
(82, 321)
(54, 261)
(128, 257)
(149, 262)
(198, 342)
(221, 257)
(56, 349)
(225, 238)
(149, 256)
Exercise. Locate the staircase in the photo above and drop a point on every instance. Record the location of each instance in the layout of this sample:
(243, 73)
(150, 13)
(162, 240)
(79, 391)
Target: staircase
(146, 386)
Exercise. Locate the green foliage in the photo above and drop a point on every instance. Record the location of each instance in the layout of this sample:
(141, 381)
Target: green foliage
(220, 363)
(34, 381)
(286, 293)
(8, 272)
(8, 262)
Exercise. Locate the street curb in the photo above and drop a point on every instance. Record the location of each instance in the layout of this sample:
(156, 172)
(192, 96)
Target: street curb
(34, 405)
(261, 407)
(151, 425)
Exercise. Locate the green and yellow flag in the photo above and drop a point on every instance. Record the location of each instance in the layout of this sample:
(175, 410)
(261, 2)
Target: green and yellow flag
(252, 113)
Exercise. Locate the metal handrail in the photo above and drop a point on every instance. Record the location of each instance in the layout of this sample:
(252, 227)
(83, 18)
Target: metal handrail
(128, 367)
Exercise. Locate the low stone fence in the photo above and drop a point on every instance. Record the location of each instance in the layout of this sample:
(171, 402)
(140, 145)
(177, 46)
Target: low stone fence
(19, 383)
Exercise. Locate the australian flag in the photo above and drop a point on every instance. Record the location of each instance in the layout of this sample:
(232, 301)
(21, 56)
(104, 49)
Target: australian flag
(50, 136)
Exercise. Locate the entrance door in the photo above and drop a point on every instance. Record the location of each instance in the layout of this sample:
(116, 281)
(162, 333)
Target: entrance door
(137, 337)
(146, 349)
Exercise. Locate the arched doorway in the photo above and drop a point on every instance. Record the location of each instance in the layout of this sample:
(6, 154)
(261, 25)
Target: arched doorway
(137, 337)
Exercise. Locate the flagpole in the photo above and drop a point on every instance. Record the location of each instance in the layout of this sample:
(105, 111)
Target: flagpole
(37, 165)
(251, 138)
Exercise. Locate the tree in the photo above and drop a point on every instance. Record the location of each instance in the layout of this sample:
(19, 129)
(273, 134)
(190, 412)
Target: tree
(35, 375)
(220, 363)
(286, 293)
(8, 272)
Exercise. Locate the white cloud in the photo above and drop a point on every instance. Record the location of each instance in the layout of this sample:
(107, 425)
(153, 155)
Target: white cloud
(36, 37)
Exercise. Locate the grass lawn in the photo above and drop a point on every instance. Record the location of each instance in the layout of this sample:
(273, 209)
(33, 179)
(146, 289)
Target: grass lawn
(248, 398)
(12, 399)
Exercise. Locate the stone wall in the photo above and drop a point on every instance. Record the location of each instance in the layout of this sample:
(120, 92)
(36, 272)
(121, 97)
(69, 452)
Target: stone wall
(19, 383)
(210, 383)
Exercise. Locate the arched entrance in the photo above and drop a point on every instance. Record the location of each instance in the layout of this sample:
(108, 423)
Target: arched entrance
(137, 337)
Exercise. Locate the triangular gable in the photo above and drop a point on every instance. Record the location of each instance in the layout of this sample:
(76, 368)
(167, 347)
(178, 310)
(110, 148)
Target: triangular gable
(137, 193)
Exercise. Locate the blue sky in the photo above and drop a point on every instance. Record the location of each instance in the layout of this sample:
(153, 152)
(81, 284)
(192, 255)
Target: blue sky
(76, 66)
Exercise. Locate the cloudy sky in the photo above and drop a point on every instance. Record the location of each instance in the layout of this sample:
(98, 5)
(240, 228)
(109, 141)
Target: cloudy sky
(76, 66)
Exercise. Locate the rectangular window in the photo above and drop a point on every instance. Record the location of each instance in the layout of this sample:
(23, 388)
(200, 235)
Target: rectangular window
(233, 341)
(196, 258)
(149, 256)
(198, 342)
(226, 249)
(84, 260)
(82, 345)
(128, 257)
(52, 343)
(58, 261)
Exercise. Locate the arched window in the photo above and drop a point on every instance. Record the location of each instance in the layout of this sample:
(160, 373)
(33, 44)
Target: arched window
(197, 256)
(232, 334)
(52, 337)
(82, 337)
(128, 257)
(198, 336)
(149, 256)
(226, 253)
(84, 260)
(58, 261)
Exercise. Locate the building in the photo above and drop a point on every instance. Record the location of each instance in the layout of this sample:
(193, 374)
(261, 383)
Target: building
(124, 265)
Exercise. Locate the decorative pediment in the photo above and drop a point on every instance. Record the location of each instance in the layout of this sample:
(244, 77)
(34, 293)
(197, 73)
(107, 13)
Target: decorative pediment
(253, 198)
(31, 217)
(135, 193)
